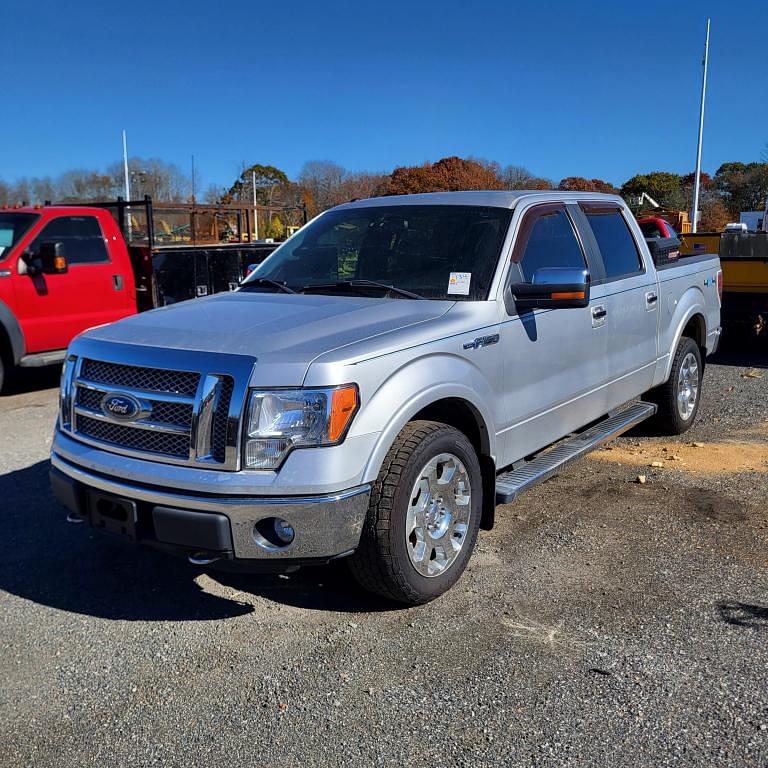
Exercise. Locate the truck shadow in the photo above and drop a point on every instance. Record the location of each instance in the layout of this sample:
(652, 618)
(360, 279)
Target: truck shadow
(71, 568)
(743, 615)
(33, 380)
(741, 350)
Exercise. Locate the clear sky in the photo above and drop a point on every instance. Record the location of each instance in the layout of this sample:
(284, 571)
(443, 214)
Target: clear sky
(585, 88)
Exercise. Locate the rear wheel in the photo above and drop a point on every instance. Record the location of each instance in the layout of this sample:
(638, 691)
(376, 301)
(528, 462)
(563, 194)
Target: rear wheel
(678, 398)
(424, 515)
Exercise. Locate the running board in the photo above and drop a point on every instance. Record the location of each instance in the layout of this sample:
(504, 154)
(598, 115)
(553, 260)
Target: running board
(509, 485)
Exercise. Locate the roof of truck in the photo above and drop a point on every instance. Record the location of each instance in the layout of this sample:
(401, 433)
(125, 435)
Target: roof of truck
(490, 198)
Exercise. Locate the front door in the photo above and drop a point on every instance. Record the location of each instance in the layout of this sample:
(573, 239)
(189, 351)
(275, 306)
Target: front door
(53, 309)
(555, 365)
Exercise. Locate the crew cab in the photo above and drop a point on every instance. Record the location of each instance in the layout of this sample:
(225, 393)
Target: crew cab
(377, 386)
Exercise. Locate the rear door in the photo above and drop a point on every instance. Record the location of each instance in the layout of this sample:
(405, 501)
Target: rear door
(631, 299)
(53, 309)
(555, 367)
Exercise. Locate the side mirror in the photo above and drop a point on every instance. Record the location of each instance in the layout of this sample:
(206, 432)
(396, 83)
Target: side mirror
(553, 288)
(52, 259)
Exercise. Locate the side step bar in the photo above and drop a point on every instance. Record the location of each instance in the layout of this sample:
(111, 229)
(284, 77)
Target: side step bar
(509, 485)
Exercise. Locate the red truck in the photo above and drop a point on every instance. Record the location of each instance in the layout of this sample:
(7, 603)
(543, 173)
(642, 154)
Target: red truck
(655, 226)
(62, 270)
(66, 268)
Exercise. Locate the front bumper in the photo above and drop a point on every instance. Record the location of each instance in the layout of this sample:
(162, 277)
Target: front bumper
(225, 527)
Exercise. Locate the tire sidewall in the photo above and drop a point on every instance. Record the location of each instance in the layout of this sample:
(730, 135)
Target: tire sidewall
(447, 440)
(686, 345)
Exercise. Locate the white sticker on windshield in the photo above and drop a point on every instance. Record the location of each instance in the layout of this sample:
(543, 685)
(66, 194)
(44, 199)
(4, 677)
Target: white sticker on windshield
(458, 283)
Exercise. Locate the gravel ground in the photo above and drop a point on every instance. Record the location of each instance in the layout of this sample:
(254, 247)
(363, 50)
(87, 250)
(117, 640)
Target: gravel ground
(602, 622)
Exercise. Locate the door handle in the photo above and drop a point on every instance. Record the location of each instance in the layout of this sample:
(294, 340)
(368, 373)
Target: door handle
(599, 313)
(117, 282)
(650, 300)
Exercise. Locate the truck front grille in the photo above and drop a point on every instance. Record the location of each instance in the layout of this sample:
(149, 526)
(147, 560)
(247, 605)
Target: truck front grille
(138, 439)
(150, 379)
(181, 416)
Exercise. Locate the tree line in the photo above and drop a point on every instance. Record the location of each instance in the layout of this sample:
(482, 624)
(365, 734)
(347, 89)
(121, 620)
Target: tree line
(734, 187)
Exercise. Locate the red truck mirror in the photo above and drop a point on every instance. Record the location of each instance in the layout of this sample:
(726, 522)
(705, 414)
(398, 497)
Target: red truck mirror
(52, 259)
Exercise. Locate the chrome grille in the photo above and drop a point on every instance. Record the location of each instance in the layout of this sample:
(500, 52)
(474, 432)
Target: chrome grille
(175, 416)
(219, 438)
(150, 379)
(143, 440)
(164, 412)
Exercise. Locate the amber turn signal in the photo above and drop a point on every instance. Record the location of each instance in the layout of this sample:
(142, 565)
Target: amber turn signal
(569, 295)
(344, 403)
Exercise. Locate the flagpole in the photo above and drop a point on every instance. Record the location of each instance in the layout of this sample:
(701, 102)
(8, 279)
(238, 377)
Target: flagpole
(697, 182)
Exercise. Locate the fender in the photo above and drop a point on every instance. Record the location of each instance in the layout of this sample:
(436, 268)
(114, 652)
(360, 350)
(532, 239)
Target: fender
(412, 389)
(691, 303)
(10, 325)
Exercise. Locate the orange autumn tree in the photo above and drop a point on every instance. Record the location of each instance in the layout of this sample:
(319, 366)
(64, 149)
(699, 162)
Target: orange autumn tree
(451, 174)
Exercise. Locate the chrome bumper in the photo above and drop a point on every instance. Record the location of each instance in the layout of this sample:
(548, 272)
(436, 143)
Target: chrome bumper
(326, 526)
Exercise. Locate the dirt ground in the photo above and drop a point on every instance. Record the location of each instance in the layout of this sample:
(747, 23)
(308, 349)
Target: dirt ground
(603, 622)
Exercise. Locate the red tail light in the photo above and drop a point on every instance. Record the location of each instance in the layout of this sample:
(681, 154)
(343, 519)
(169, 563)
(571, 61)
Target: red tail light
(720, 285)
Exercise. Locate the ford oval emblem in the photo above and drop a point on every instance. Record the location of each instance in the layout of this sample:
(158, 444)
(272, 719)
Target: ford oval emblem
(120, 407)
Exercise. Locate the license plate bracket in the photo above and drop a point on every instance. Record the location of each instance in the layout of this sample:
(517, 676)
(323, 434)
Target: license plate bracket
(113, 514)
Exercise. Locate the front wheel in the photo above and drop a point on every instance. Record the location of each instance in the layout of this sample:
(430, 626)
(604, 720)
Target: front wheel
(423, 517)
(678, 398)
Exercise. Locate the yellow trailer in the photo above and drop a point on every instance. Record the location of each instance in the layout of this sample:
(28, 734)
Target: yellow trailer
(744, 260)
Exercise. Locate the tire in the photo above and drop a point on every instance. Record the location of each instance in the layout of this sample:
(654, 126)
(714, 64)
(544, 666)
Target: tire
(679, 397)
(417, 565)
(3, 374)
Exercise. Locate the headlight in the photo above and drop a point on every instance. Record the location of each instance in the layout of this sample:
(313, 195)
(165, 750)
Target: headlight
(282, 419)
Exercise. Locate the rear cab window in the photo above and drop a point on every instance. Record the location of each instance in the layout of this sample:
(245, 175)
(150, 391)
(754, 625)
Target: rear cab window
(618, 249)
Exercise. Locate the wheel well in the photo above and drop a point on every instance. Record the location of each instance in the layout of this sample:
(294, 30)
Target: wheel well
(696, 329)
(462, 415)
(6, 351)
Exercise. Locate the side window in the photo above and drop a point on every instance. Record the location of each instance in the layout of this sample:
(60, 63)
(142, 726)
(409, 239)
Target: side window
(80, 237)
(547, 239)
(615, 241)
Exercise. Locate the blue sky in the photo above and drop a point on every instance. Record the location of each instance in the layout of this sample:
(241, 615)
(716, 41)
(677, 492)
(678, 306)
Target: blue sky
(579, 88)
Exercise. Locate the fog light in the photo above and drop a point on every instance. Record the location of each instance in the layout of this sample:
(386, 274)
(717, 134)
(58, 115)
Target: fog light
(284, 531)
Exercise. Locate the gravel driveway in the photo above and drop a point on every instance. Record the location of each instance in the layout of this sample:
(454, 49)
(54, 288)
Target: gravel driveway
(603, 622)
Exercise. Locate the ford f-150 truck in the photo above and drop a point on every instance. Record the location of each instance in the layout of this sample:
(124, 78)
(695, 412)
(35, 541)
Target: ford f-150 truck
(381, 382)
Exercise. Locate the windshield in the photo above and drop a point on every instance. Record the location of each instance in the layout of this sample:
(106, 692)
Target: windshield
(435, 251)
(13, 227)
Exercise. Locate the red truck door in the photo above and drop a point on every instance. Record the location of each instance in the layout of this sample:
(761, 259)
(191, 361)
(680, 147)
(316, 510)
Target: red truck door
(97, 289)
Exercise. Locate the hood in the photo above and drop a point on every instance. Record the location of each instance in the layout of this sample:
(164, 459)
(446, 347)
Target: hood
(284, 332)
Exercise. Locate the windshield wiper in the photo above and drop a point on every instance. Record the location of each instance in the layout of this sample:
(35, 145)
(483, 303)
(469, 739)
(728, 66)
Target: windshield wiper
(265, 281)
(360, 283)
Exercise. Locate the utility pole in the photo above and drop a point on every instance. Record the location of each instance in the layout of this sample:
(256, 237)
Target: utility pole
(193, 179)
(697, 182)
(127, 180)
(125, 168)
(255, 210)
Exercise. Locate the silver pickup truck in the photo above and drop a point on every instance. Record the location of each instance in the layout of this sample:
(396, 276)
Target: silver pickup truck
(381, 382)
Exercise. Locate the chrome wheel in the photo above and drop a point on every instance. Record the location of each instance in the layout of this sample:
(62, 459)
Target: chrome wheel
(687, 386)
(438, 515)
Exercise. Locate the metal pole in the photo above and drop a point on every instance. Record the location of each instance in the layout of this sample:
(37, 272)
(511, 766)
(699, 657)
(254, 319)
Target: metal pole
(697, 182)
(127, 181)
(255, 211)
